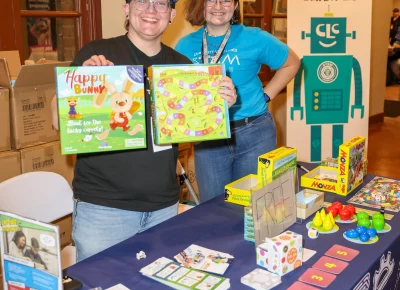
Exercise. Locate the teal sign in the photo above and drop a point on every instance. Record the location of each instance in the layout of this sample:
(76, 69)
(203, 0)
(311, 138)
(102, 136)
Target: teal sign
(327, 83)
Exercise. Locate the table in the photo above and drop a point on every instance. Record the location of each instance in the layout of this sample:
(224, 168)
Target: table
(219, 225)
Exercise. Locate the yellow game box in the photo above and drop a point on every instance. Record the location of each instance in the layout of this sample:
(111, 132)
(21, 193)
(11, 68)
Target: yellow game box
(351, 163)
(322, 178)
(275, 162)
(346, 177)
(240, 190)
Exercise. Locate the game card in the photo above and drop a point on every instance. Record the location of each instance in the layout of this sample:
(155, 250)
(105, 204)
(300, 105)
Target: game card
(317, 278)
(330, 265)
(342, 253)
(301, 286)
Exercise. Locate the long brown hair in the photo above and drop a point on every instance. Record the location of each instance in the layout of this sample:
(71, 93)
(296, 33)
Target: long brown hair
(194, 12)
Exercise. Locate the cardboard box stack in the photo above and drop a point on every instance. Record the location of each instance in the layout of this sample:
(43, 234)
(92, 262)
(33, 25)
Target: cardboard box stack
(28, 141)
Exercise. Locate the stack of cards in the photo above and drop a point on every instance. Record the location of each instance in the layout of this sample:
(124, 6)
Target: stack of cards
(324, 271)
(248, 224)
(261, 280)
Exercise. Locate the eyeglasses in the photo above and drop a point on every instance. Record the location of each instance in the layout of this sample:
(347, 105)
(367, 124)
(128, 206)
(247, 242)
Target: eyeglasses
(159, 5)
(225, 3)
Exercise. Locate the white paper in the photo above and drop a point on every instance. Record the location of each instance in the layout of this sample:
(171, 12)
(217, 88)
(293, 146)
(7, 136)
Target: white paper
(307, 254)
(118, 287)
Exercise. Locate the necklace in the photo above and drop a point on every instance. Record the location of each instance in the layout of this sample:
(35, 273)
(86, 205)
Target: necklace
(206, 30)
(217, 55)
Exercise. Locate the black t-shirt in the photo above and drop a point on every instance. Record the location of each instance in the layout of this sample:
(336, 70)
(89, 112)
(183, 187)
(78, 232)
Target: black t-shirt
(394, 25)
(138, 180)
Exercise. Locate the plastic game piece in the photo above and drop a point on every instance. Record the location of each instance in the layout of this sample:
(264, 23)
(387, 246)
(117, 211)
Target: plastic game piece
(362, 215)
(313, 233)
(371, 232)
(361, 230)
(364, 222)
(352, 234)
(364, 237)
(378, 221)
(140, 255)
(317, 220)
(327, 223)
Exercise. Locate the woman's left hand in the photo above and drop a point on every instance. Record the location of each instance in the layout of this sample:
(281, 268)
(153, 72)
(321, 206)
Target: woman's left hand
(227, 90)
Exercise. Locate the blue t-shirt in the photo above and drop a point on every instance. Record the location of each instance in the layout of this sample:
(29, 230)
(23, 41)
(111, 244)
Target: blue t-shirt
(247, 49)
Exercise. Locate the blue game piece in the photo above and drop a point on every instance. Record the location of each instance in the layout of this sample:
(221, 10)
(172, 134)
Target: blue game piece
(352, 234)
(361, 230)
(371, 232)
(364, 237)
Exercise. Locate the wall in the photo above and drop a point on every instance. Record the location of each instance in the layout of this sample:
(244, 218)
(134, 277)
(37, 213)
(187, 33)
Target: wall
(112, 18)
(381, 12)
(396, 4)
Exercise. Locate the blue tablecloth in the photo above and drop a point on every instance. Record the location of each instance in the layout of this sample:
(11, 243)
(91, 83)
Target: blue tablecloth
(219, 225)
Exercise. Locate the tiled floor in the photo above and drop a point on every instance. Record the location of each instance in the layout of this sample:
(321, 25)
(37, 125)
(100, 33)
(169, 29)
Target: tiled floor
(384, 142)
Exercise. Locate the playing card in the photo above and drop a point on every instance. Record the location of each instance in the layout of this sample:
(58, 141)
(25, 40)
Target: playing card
(317, 278)
(301, 286)
(330, 265)
(342, 253)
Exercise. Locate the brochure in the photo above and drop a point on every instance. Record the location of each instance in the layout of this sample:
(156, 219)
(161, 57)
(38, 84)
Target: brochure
(30, 253)
(204, 259)
(175, 276)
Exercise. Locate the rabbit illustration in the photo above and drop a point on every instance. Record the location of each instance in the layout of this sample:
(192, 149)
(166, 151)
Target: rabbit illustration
(122, 107)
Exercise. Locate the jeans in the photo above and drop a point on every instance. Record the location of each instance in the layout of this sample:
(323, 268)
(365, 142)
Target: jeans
(96, 228)
(221, 162)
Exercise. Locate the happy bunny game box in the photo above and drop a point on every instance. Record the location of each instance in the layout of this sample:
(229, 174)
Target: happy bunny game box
(101, 108)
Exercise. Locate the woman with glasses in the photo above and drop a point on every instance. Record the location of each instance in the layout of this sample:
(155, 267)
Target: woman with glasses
(243, 50)
(120, 194)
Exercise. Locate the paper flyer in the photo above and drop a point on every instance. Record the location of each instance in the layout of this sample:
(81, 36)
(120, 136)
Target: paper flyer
(204, 259)
(30, 254)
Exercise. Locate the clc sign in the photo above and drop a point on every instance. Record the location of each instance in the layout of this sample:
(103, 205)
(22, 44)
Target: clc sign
(328, 35)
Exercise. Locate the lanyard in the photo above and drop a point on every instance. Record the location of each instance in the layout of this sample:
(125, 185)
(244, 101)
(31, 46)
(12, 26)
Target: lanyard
(214, 59)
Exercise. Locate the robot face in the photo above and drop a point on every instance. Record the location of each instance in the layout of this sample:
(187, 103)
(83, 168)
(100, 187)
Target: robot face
(328, 35)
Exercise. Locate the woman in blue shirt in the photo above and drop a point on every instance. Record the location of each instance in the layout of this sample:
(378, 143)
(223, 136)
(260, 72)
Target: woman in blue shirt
(243, 50)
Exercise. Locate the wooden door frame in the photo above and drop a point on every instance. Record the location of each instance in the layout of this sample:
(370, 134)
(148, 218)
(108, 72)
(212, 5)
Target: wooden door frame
(89, 12)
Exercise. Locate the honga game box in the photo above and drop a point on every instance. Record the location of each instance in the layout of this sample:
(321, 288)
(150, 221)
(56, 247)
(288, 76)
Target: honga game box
(186, 105)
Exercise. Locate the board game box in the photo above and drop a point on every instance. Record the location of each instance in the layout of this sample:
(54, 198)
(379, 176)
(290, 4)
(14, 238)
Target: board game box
(101, 108)
(346, 176)
(350, 167)
(186, 105)
(379, 192)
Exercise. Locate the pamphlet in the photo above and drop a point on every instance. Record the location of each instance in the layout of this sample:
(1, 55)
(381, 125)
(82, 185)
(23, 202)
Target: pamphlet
(204, 259)
(175, 276)
(30, 253)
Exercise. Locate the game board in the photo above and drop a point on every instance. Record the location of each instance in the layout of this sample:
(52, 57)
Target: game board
(186, 104)
(101, 108)
(379, 192)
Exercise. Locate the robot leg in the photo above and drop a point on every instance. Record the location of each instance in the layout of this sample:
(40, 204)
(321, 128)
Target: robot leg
(316, 143)
(337, 139)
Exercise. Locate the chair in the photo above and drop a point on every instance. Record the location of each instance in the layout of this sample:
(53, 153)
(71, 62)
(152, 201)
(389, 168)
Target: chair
(43, 196)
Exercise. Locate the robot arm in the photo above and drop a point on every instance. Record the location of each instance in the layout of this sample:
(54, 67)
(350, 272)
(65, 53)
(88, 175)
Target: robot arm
(297, 94)
(358, 89)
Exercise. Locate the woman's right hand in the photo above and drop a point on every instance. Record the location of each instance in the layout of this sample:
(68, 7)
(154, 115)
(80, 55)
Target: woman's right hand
(98, 60)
